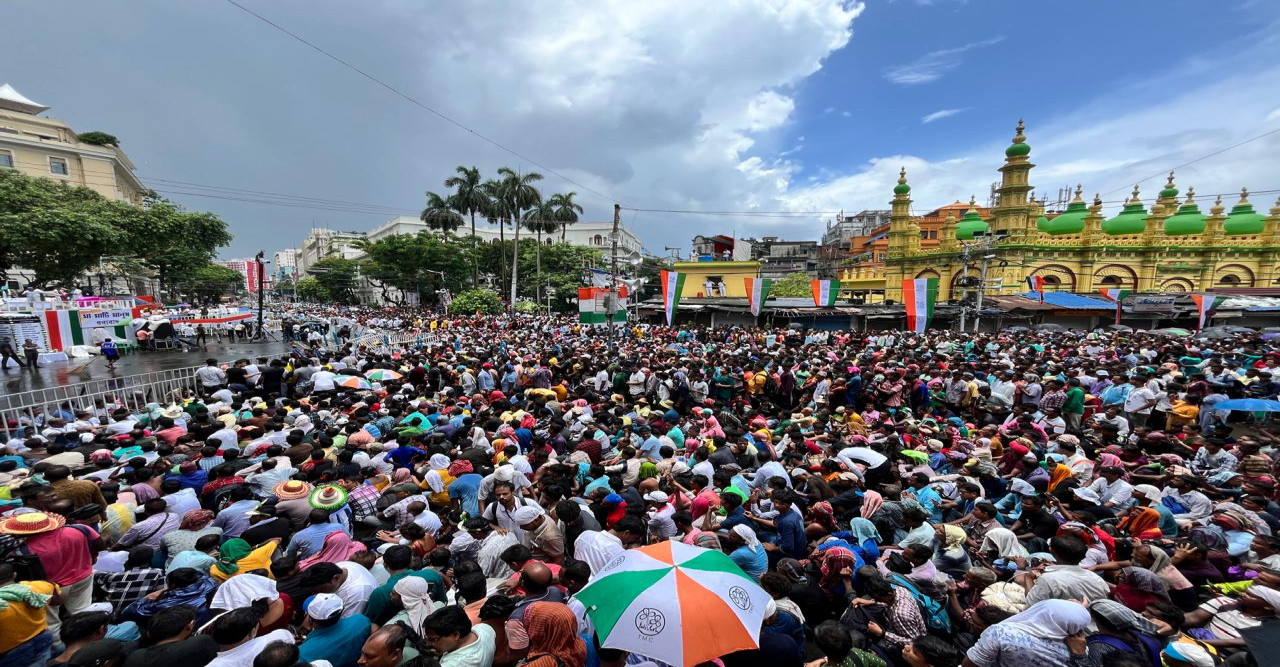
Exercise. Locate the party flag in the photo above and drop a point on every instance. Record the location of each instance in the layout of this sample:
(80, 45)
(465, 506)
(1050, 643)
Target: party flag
(757, 293)
(919, 296)
(672, 285)
(1036, 284)
(825, 292)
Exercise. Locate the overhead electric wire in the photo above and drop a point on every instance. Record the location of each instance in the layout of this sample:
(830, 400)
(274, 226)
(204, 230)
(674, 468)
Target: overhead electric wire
(1162, 172)
(414, 101)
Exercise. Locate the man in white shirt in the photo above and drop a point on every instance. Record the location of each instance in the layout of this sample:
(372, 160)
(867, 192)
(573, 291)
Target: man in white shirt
(1139, 403)
(322, 380)
(1111, 488)
(210, 376)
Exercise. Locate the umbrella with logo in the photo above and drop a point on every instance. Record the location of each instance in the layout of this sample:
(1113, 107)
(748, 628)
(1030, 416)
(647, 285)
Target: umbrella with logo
(381, 375)
(677, 603)
(351, 382)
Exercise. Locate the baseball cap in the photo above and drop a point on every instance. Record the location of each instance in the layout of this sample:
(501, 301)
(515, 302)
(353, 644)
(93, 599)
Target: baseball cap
(324, 605)
(657, 497)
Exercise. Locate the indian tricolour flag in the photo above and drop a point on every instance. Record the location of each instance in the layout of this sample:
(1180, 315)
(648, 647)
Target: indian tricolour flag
(65, 329)
(825, 292)
(672, 285)
(1116, 295)
(757, 293)
(1205, 303)
(919, 296)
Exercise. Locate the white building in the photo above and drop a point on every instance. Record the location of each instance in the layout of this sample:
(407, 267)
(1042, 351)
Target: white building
(325, 243)
(590, 234)
(285, 263)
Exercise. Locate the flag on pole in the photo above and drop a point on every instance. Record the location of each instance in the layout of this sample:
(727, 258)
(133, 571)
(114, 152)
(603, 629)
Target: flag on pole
(757, 293)
(919, 296)
(1036, 284)
(1205, 303)
(825, 292)
(1116, 295)
(672, 285)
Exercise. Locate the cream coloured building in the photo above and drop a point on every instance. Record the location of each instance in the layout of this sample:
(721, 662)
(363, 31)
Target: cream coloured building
(48, 148)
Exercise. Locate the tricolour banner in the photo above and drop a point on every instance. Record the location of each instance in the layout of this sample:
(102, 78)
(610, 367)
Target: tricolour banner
(672, 285)
(919, 296)
(757, 293)
(1205, 303)
(825, 292)
(1116, 295)
(1036, 284)
(65, 330)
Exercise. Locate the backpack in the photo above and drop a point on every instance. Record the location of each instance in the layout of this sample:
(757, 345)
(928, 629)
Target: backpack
(934, 613)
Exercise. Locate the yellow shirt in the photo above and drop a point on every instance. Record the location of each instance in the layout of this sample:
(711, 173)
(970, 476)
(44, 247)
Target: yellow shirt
(19, 622)
(258, 559)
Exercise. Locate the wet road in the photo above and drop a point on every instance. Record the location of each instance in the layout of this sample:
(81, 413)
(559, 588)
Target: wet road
(74, 370)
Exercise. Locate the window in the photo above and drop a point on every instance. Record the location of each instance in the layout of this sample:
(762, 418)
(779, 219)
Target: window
(58, 166)
(597, 240)
(6, 159)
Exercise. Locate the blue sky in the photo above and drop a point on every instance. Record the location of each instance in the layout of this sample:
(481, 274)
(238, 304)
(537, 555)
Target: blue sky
(737, 105)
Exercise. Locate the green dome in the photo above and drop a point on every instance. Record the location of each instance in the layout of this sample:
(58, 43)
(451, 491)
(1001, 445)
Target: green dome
(1017, 150)
(1188, 220)
(901, 189)
(1169, 192)
(970, 223)
(1131, 220)
(1243, 220)
(1070, 222)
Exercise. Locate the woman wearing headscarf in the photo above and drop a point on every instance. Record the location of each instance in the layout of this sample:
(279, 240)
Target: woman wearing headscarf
(1236, 529)
(337, 547)
(949, 553)
(194, 525)
(437, 480)
(1121, 631)
(751, 555)
(244, 590)
(1141, 522)
(1157, 561)
(1004, 543)
(235, 556)
(872, 501)
(864, 536)
(834, 561)
(1059, 471)
(1037, 637)
(1009, 508)
(553, 636)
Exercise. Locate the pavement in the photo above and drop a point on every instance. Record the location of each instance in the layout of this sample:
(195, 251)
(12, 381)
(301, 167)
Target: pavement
(74, 370)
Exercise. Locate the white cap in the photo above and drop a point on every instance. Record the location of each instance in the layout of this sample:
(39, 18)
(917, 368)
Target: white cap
(324, 605)
(657, 497)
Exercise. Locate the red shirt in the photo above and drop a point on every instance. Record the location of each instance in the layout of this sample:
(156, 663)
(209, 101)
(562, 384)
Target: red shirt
(64, 553)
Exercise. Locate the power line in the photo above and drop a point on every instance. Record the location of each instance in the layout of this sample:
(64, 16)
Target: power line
(396, 91)
(1203, 157)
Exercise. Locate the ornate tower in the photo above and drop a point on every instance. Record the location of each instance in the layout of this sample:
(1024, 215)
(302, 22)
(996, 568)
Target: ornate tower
(1012, 214)
(900, 223)
(1090, 235)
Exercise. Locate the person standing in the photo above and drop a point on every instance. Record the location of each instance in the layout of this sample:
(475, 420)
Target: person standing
(7, 352)
(32, 352)
(110, 353)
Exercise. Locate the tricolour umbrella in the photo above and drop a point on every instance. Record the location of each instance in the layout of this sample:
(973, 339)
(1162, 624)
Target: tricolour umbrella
(1247, 405)
(351, 382)
(677, 603)
(1172, 331)
(381, 374)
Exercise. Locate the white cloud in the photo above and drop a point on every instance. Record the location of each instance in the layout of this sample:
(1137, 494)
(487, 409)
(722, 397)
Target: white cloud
(940, 114)
(1275, 113)
(931, 66)
(846, 114)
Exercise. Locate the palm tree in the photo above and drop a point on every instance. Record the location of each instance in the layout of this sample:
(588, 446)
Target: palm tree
(540, 219)
(565, 210)
(440, 214)
(519, 195)
(495, 211)
(470, 196)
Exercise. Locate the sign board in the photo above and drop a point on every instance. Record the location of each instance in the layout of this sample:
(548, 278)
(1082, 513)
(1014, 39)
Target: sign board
(93, 319)
(1152, 304)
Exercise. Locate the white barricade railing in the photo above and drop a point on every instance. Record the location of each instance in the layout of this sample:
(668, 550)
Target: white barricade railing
(129, 391)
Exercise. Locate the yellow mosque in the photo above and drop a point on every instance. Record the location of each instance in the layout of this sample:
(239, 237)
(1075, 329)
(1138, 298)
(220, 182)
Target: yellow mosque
(1169, 246)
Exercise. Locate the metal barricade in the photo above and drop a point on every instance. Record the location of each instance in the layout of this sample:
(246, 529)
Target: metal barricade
(129, 391)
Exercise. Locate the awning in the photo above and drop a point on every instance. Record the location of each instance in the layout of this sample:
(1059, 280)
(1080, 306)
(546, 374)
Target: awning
(1007, 303)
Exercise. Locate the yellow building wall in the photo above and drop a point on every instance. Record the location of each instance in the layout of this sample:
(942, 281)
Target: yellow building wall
(696, 274)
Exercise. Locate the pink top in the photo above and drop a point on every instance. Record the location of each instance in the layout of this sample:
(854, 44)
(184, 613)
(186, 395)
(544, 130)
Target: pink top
(64, 553)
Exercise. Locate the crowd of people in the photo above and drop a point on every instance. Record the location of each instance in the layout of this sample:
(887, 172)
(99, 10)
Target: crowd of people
(1026, 499)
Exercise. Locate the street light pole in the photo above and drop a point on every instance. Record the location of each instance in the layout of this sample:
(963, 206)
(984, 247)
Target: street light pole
(261, 292)
(613, 269)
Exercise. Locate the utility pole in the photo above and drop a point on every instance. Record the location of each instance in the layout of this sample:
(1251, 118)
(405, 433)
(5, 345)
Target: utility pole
(964, 290)
(982, 287)
(613, 267)
(261, 292)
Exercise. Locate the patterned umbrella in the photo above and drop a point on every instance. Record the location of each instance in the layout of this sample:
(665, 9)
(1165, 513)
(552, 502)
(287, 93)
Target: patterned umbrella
(381, 374)
(352, 382)
(676, 603)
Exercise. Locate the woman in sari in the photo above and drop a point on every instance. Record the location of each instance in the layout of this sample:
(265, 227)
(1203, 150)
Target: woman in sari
(1156, 560)
(950, 556)
(245, 589)
(1141, 522)
(337, 547)
(235, 556)
(1059, 472)
(553, 636)
(1138, 587)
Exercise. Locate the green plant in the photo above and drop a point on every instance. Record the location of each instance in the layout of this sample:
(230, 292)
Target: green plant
(98, 138)
(477, 301)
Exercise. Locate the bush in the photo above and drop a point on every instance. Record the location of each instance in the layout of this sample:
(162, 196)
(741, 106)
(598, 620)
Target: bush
(477, 300)
(98, 138)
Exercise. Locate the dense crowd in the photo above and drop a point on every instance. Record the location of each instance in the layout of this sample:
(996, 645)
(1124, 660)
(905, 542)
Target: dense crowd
(1016, 499)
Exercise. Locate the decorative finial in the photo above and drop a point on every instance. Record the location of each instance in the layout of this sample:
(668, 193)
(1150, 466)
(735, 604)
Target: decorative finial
(1169, 184)
(1079, 191)
(973, 201)
(1133, 199)
(902, 175)
(1275, 210)
(1020, 137)
(1097, 200)
(1244, 196)
(1191, 196)
(1217, 207)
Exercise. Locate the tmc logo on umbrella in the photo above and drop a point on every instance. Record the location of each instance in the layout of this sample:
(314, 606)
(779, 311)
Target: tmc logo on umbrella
(650, 621)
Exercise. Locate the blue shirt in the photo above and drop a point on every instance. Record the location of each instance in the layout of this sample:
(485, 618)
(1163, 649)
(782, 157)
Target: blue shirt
(753, 564)
(339, 643)
(402, 457)
(234, 519)
(931, 502)
(467, 490)
(650, 448)
(791, 537)
(309, 540)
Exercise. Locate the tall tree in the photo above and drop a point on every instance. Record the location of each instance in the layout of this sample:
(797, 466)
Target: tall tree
(496, 213)
(565, 209)
(520, 195)
(337, 277)
(440, 214)
(470, 197)
(540, 219)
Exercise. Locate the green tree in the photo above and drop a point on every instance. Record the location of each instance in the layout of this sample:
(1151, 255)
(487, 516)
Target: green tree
(793, 285)
(421, 263)
(173, 241)
(496, 213)
(519, 195)
(477, 301)
(566, 210)
(310, 289)
(337, 277)
(470, 196)
(205, 284)
(440, 214)
(98, 138)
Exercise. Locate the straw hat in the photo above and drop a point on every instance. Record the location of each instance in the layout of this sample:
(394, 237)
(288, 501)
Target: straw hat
(31, 523)
(328, 497)
(292, 490)
(172, 412)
